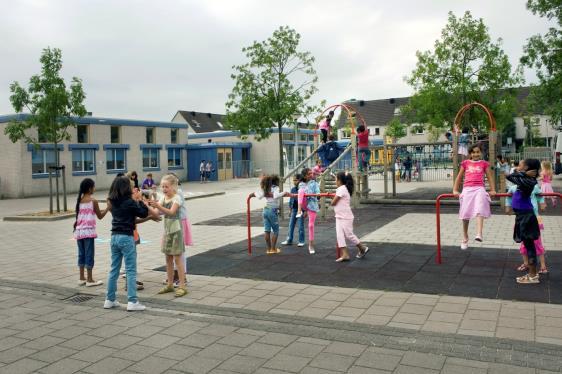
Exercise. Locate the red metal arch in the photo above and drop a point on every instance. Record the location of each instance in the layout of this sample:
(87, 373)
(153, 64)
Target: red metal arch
(466, 107)
(349, 110)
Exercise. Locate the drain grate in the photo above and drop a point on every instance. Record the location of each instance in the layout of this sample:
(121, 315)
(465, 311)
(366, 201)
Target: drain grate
(79, 298)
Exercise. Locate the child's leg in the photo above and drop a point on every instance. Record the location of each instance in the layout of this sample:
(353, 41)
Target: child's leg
(274, 218)
(81, 258)
(479, 226)
(542, 262)
(311, 221)
(116, 258)
(170, 270)
(82, 276)
(268, 241)
(89, 251)
(532, 254)
(301, 230)
(181, 270)
(340, 237)
(465, 223)
(300, 201)
(292, 222)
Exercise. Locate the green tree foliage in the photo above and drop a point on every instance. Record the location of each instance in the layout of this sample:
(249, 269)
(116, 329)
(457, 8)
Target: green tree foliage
(396, 129)
(465, 66)
(277, 81)
(544, 53)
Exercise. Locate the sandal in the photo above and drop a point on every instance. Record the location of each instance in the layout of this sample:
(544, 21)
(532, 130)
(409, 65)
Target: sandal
(181, 291)
(342, 259)
(527, 279)
(523, 267)
(362, 254)
(166, 289)
(543, 270)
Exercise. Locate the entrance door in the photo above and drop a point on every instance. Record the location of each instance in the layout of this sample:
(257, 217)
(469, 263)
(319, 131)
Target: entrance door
(224, 163)
(220, 164)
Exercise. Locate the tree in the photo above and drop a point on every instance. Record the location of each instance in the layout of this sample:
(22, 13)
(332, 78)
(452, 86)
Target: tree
(277, 81)
(395, 129)
(465, 66)
(544, 53)
(50, 104)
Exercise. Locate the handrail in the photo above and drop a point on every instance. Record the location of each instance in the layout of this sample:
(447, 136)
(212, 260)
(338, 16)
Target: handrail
(290, 173)
(248, 212)
(450, 195)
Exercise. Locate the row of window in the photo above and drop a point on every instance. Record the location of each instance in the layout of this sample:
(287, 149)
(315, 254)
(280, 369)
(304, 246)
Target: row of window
(83, 136)
(84, 160)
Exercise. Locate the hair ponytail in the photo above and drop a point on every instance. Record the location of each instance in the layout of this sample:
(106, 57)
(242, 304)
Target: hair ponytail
(85, 186)
(346, 180)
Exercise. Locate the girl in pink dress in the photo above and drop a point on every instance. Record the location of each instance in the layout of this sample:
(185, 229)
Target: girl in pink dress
(344, 217)
(87, 209)
(474, 200)
(546, 180)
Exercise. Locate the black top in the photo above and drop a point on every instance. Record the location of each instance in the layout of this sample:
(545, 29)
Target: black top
(524, 183)
(124, 213)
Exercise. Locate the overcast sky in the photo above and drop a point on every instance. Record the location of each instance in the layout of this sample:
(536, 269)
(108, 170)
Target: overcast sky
(148, 59)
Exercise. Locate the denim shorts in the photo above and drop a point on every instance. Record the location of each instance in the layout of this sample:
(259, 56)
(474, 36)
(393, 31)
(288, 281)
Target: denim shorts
(271, 220)
(86, 253)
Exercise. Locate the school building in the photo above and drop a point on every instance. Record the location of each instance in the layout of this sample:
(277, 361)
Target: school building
(99, 148)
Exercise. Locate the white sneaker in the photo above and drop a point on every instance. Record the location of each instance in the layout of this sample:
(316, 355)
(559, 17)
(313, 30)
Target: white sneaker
(286, 242)
(135, 307)
(108, 304)
(300, 245)
(311, 250)
(298, 215)
(464, 245)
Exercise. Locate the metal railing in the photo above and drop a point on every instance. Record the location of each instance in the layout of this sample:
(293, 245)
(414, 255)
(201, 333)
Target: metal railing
(242, 169)
(438, 259)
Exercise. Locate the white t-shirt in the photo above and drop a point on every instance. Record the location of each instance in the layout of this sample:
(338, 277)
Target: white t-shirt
(270, 201)
(342, 209)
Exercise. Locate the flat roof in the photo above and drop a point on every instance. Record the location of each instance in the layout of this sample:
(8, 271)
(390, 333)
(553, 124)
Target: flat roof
(102, 121)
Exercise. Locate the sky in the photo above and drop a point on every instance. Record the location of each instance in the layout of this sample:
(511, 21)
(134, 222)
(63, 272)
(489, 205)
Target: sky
(147, 59)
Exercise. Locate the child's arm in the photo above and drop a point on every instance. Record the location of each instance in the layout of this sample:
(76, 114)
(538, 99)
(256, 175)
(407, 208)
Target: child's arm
(457, 184)
(99, 213)
(542, 206)
(491, 182)
(169, 212)
(335, 200)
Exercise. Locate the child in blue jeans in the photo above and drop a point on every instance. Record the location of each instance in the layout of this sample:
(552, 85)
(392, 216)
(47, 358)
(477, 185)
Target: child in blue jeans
(293, 204)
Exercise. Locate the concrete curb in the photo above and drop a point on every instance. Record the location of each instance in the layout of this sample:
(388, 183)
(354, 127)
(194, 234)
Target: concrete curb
(414, 202)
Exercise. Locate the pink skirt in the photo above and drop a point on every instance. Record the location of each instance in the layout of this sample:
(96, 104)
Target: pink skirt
(186, 227)
(474, 202)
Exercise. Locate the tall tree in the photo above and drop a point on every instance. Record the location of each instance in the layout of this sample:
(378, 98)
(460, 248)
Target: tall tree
(544, 53)
(465, 66)
(50, 104)
(276, 83)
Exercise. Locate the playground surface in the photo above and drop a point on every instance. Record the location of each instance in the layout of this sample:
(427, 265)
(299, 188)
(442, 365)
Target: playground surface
(394, 311)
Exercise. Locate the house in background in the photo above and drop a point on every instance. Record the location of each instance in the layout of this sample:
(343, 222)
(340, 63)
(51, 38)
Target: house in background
(99, 148)
(234, 157)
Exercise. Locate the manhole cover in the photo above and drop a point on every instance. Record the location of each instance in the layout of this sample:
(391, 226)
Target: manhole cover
(79, 298)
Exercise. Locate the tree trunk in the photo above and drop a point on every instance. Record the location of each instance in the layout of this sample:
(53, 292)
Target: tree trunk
(281, 168)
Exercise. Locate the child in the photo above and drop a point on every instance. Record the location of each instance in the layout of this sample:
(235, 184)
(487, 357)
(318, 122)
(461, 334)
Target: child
(125, 207)
(87, 208)
(474, 201)
(293, 205)
(172, 242)
(344, 217)
(363, 146)
(317, 169)
(537, 201)
(324, 126)
(526, 227)
(546, 180)
(270, 190)
(309, 203)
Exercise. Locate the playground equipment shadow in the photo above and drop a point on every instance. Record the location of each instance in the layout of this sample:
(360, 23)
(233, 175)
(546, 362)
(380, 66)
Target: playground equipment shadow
(485, 272)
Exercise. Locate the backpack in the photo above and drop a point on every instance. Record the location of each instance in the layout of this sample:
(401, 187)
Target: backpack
(333, 152)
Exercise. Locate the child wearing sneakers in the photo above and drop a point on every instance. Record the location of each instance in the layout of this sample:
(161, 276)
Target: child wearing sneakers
(270, 191)
(87, 209)
(293, 205)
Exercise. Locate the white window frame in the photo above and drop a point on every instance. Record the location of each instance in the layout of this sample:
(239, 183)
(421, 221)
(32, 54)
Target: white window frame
(173, 151)
(114, 154)
(151, 152)
(83, 160)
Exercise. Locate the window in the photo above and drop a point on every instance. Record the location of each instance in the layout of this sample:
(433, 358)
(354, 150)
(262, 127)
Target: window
(83, 160)
(115, 159)
(346, 133)
(377, 131)
(174, 136)
(150, 157)
(174, 157)
(301, 153)
(289, 136)
(115, 134)
(418, 130)
(150, 135)
(82, 134)
(303, 137)
(41, 160)
(228, 158)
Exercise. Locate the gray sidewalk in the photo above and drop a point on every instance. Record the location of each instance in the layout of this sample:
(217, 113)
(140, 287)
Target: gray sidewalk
(44, 333)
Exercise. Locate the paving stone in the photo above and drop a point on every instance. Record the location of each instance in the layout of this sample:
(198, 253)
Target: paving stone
(332, 361)
(108, 365)
(314, 312)
(242, 364)
(64, 366)
(365, 370)
(416, 308)
(511, 369)
(143, 331)
(442, 327)
(286, 363)
(159, 341)
(10, 342)
(23, 366)
(303, 349)
(93, 353)
(199, 340)
(515, 333)
(16, 353)
(457, 369)
(53, 354)
(277, 339)
(120, 341)
(219, 351)
(345, 349)
(404, 369)
(373, 319)
(218, 330)
(423, 360)
(43, 342)
(238, 340)
(136, 352)
(472, 324)
(379, 361)
(261, 350)
(197, 364)
(152, 365)
(382, 310)
(450, 307)
(417, 319)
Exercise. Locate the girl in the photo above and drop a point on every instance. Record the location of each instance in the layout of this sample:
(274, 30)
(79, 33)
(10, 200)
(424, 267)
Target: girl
(270, 190)
(87, 208)
(125, 207)
(310, 203)
(344, 217)
(526, 227)
(537, 201)
(546, 180)
(324, 126)
(474, 201)
(172, 242)
(293, 205)
(134, 179)
(363, 145)
(317, 169)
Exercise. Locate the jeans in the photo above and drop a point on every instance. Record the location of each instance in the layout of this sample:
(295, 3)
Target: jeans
(271, 220)
(292, 222)
(123, 247)
(86, 253)
(364, 158)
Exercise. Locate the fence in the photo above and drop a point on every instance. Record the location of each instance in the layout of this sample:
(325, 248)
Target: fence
(242, 169)
(546, 155)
